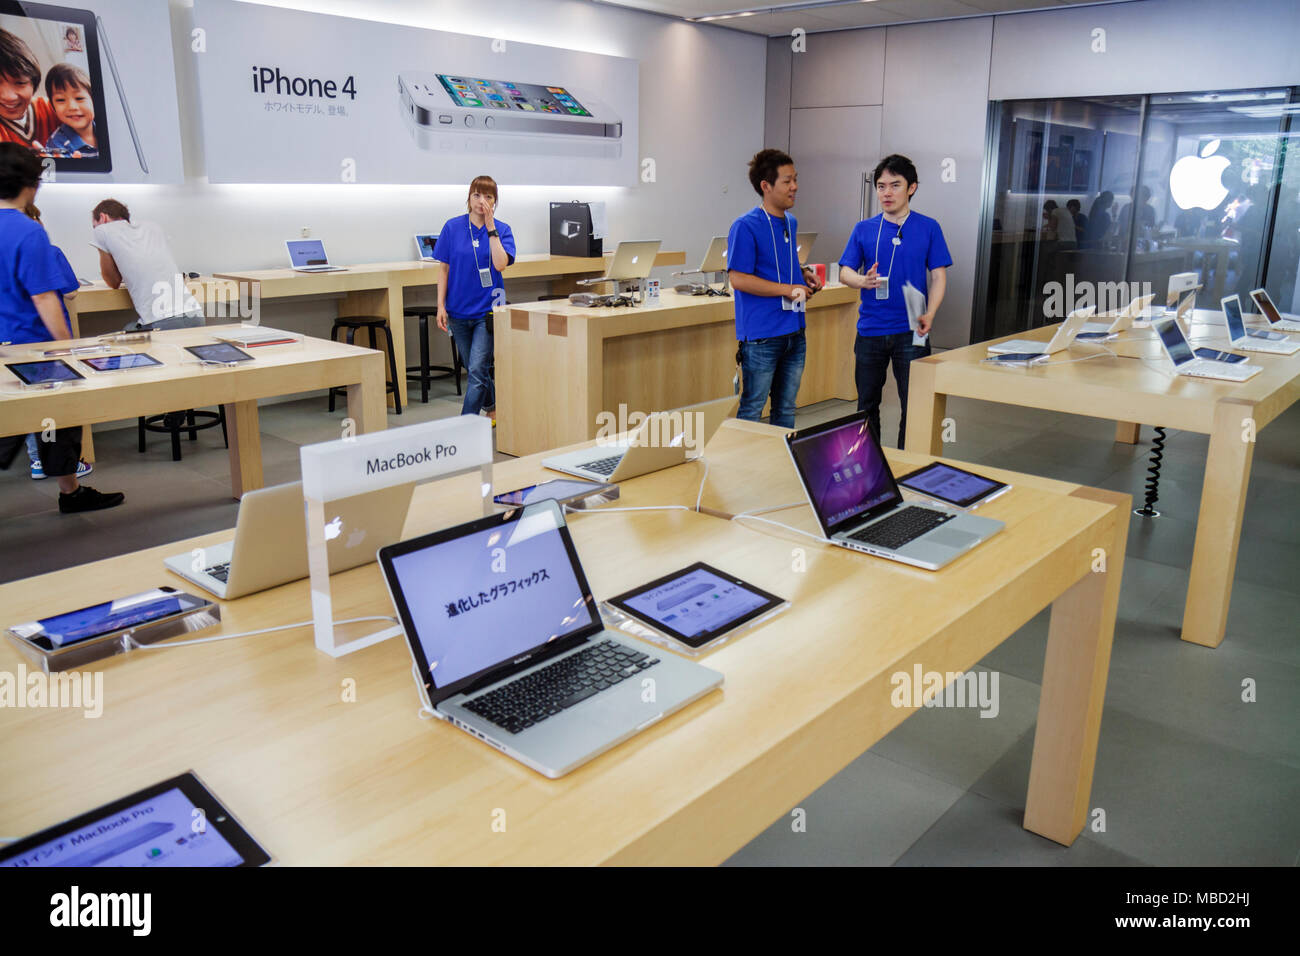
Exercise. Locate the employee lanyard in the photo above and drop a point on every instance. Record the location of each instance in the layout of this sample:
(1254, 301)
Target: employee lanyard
(473, 243)
(775, 259)
(897, 241)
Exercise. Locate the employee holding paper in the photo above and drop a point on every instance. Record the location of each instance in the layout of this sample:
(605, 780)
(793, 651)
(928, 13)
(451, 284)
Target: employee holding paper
(771, 291)
(897, 247)
(473, 250)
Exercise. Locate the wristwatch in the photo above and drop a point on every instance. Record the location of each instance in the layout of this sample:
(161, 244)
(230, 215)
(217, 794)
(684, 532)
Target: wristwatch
(493, 233)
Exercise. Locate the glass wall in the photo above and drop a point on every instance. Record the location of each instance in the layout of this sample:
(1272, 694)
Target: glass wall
(1090, 200)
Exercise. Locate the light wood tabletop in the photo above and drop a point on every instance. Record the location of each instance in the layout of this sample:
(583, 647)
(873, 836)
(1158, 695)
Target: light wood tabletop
(1131, 382)
(326, 761)
(559, 366)
(182, 382)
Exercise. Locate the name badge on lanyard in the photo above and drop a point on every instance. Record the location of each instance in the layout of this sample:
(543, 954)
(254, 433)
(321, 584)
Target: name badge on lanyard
(485, 278)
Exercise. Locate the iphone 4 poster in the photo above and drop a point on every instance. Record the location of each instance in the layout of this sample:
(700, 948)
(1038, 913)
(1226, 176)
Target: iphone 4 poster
(90, 87)
(323, 99)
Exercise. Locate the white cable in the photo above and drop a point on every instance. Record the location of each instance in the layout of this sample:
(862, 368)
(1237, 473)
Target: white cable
(265, 630)
(603, 510)
(763, 511)
(700, 496)
(816, 537)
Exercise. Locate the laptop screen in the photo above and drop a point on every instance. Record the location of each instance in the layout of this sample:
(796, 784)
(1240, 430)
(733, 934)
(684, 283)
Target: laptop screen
(482, 597)
(1265, 305)
(1174, 341)
(307, 252)
(1232, 313)
(844, 471)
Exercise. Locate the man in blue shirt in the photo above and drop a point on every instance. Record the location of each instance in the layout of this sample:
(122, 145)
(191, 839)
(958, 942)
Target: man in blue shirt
(901, 247)
(771, 291)
(31, 310)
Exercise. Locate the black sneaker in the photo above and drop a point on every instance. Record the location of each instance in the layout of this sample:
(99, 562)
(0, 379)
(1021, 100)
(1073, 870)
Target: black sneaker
(86, 498)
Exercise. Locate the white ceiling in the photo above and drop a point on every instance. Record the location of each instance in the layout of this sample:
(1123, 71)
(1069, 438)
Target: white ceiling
(779, 17)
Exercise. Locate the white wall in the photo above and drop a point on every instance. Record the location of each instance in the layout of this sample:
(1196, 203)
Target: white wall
(701, 118)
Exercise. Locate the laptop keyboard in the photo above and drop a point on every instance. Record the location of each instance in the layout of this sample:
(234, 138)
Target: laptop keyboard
(571, 680)
(602, 466)
(902, 526)
(219, 571)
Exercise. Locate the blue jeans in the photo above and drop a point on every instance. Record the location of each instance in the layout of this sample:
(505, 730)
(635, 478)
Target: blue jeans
(771, 367)
(473, 339)
(873, 354)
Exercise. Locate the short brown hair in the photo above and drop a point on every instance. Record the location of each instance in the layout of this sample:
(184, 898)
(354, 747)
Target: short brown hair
(65, 76)
(112, 209)
(20, 169)
(16, 59)
(485, 185)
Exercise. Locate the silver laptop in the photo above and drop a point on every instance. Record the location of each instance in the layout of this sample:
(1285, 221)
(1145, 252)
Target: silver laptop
(308, 255)
(858, 505)
(424, 246)
(1062, 340)
(661, 441)
(632, 260)
(806, 241)
(1122, 322)
(1253, 340)
(270, 543)
(1278, 320)
(1186, 362)
(508, 645)
(714, 261)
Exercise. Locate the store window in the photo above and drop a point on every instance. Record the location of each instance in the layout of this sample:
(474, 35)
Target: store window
(1091, 200)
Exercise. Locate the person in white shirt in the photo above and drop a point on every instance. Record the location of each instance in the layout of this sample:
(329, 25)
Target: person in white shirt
(136, 255)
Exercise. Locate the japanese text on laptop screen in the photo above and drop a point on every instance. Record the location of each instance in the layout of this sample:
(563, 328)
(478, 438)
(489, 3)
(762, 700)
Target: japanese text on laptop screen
(846, 474)
(307, 252)
(484, 598)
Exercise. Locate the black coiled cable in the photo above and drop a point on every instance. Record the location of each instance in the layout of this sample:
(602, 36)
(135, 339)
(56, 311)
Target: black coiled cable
(1153, 475)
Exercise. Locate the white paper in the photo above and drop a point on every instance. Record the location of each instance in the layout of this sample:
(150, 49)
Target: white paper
(915, 300)
(599, 224)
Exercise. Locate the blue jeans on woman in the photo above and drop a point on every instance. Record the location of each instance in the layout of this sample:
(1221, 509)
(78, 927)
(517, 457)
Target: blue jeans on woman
(473, 339)
(873, 354)
(771, 367)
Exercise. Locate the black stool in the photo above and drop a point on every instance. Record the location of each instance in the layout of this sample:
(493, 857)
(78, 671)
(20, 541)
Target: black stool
(371, 322)
(188, 421)
(424, 369)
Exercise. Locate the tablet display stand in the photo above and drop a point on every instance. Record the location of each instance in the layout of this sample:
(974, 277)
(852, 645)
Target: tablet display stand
(353, 466)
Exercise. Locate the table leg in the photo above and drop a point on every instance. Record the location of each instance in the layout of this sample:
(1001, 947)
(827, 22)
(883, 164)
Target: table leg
(1218, 525)
(366, 399)
(1128, 433)
(245, 434)
(925, 409)
(1074, 686)
(87, 444)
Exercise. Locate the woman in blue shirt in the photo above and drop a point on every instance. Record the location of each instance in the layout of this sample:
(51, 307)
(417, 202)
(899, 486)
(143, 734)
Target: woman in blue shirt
(473, 250)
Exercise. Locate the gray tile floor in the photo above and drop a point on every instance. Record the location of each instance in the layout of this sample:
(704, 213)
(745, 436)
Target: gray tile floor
(1187, 774)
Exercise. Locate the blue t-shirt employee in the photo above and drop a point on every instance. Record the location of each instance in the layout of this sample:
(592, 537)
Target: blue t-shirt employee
(771, 291)
(901, 247)
(474, 249)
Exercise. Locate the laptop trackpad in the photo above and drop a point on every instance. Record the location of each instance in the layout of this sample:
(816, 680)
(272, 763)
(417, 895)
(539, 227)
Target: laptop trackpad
(950, 538)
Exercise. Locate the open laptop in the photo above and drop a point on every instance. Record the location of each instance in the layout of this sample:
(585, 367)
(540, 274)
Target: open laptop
(632, 260)
(715, 260)
(661, 441)
(308, 255)
(270, 543)
(1253, 340)
(1179, 350)
(1062, 340)
(806, 241)
(424, 247)
(858, 505)
(1122, 322)
(1278, 321)
(520, 658)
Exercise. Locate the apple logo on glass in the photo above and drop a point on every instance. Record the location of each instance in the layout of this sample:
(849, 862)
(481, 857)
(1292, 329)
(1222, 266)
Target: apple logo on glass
(335, 528)
(634, 259)
(1196, 181)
